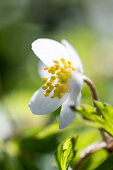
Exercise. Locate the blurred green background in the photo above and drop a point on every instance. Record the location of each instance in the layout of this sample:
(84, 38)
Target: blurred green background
(29, 141)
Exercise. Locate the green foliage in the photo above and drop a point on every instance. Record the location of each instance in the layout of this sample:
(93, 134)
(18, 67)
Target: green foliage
(44, 140)
(65, 153)
(93, 160)
(85, 139)
(107, 164)
(100, 117)
(16, 163)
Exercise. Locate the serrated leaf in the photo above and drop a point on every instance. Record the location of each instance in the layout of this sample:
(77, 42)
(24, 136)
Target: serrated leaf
(100, 117)
(65, 153)
(106, 111)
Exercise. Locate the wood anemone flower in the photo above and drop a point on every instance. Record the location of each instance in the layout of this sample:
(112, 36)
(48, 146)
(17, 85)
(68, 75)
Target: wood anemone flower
(63, 82)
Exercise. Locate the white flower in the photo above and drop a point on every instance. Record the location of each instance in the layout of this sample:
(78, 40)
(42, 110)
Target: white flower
(64, 80)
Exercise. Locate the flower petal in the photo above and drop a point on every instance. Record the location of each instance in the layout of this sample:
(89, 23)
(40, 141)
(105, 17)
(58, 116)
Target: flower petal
(39, 104)
(48, 50)
(67, 115)
(75, 59)
(76, 84)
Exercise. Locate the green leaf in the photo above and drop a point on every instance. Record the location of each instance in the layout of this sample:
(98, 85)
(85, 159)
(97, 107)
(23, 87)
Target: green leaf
(65, 153)
(107, 164)
(45, 140)
(100, 117)
(93, 160)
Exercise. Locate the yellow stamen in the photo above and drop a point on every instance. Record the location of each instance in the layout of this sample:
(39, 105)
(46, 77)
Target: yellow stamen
(62, 69)
(53, 77)
(58, 83)
(58, 73)
(57, 66)
(51, 87)
(48, 84)
(73, 68)
(69, 62)
(51, 80)
(65, 65)
(46, 68)
(46, 94)
(52, 71)
(63, 60)
(44, 80)
(63, 88)
(48, 91)
(44, 87)
(56, 62)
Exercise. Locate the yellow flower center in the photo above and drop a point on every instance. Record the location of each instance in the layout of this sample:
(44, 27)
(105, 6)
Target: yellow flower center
(58, 82)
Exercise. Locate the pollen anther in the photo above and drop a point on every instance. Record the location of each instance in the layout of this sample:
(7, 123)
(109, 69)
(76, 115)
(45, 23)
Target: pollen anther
(44, 87)
(46, 94)
(69, 62)
(48, 84)
(46, 68)
(53, 77)
(44, 80)
(55, 61)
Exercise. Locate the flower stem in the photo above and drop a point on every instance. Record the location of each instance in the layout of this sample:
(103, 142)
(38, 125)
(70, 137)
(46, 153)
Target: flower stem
(92, 88)
(95, 97)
